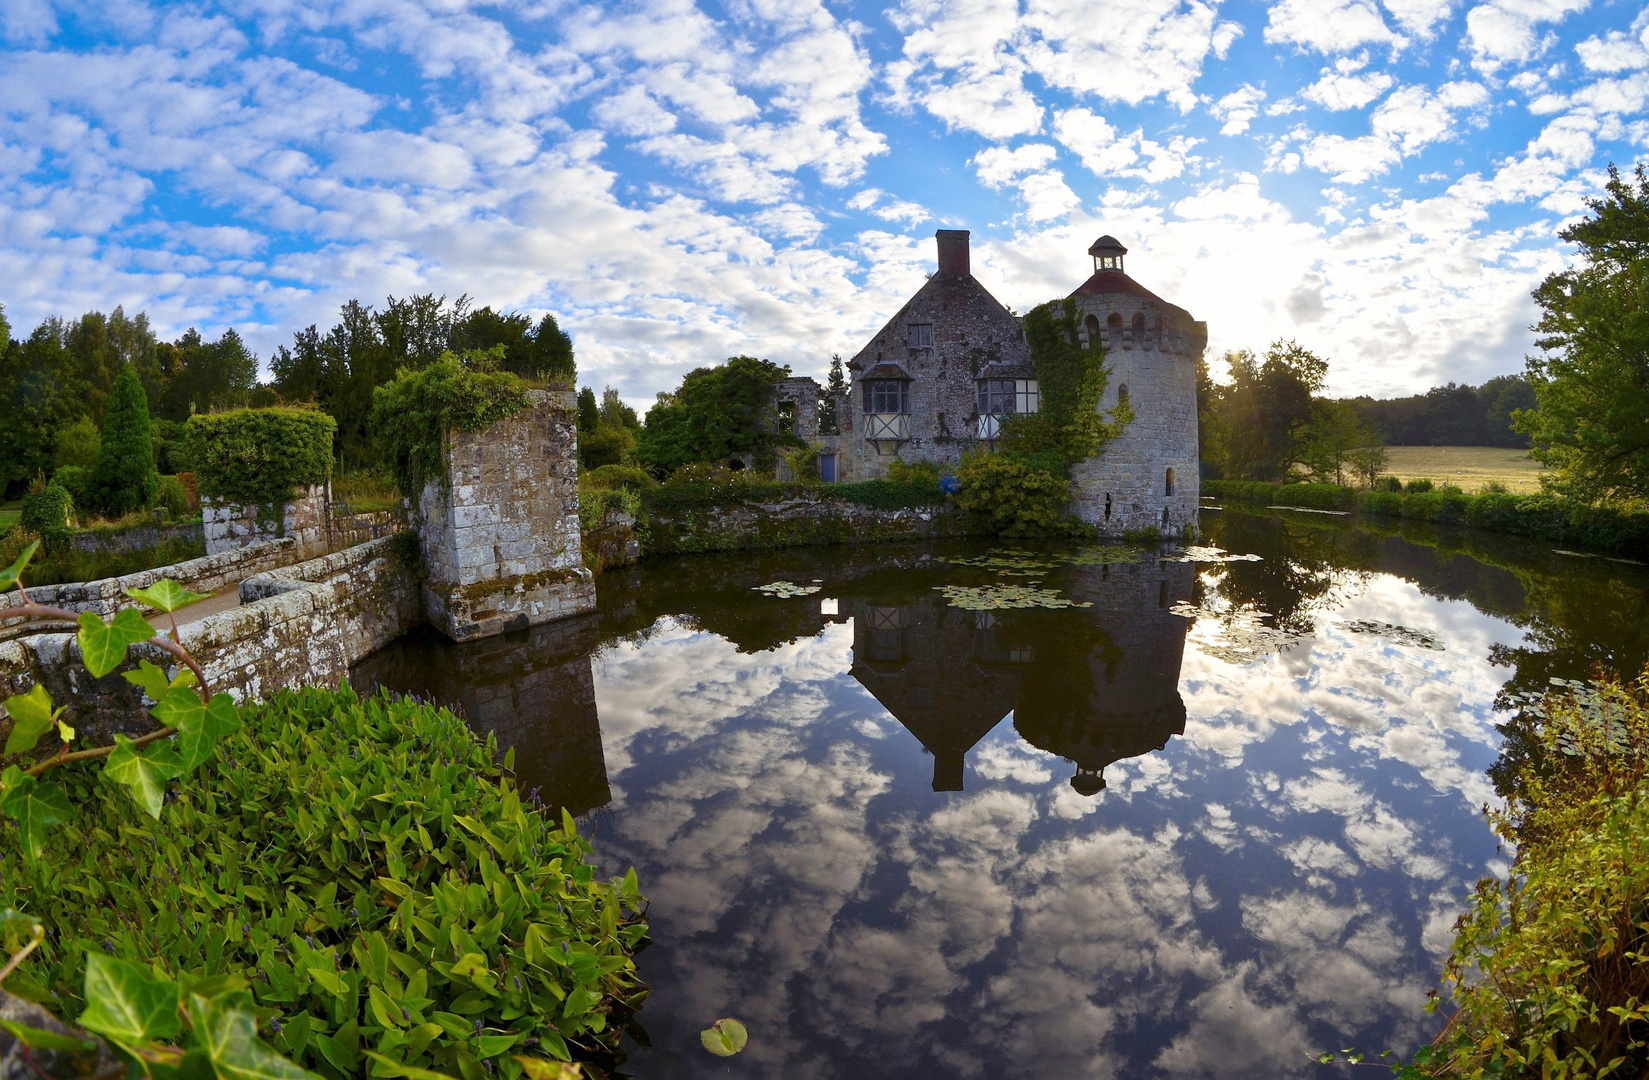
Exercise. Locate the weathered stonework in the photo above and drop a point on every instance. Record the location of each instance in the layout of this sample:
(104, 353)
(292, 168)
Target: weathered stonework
(805, 519)
(1151, 348)
(306, 519)
(119, 541)
(949, 335)
(300, 625)
(500, 541)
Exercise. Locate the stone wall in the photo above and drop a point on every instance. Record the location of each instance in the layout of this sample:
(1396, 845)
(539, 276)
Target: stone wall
(802, 520)
(306, 519)
(500, 541)
(207, 575)
(298, 625)
(120, 541)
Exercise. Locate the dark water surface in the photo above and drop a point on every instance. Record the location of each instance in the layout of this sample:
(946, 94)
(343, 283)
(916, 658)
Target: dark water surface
(1220, 819)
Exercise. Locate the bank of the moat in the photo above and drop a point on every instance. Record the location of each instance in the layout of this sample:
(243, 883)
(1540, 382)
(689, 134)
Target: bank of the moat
(869, 822)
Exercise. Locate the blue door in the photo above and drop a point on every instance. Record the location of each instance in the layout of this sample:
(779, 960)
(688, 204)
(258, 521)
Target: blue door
(827, 468)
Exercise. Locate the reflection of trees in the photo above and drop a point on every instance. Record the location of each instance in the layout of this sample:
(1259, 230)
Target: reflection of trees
(1302, 570)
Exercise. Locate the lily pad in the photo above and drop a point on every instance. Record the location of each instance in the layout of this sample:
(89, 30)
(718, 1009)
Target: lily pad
(784, 590)
(1210, 555)
(1403, 635)
(1003, 597)
(725, 1037)
(1237, 636)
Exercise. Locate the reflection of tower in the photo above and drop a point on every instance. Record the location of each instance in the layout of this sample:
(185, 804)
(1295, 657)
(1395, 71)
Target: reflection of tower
(1111, 692)
(939, 672)
(534, 690)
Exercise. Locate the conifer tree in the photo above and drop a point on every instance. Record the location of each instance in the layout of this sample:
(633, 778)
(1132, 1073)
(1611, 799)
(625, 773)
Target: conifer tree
(125, 478)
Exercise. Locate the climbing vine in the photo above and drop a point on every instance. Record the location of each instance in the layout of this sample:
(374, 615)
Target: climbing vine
(1072, 380)
(413, 414)
(257, 457)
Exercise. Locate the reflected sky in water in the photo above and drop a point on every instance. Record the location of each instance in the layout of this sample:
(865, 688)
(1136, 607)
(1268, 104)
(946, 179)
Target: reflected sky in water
(1216, 821)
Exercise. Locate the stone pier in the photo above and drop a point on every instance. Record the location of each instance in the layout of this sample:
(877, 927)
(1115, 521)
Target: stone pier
(500, 537)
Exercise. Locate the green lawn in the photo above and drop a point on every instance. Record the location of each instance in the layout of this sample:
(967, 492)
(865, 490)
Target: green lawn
(9, 513)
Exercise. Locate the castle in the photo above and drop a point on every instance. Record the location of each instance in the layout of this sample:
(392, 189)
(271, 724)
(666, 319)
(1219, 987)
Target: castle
(941, 376)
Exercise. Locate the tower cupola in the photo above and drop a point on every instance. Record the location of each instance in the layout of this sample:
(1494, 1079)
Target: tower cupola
(1107, 252)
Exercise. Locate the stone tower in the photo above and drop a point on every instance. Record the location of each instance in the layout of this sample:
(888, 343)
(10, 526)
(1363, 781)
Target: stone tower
(1147, 476)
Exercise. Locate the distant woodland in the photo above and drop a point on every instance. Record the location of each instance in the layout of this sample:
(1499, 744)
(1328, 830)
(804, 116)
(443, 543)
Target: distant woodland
(1451, 415)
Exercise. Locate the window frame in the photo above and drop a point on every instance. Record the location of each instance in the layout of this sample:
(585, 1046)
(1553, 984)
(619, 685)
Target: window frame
(919, 335)
(877, 392)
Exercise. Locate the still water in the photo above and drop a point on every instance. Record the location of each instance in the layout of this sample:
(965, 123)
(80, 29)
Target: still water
(1218, 816)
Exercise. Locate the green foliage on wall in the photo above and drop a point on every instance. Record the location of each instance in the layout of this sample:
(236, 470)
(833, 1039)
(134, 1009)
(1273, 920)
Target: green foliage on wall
(716, 413)
(1072, 381)
(125, 478)
(1014, 497)
(413, 414)
(173, 498)
(48, 513)
(259, 457)
(387, 896)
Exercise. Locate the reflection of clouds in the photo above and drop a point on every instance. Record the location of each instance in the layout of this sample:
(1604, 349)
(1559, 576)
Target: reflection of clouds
(1249, 895)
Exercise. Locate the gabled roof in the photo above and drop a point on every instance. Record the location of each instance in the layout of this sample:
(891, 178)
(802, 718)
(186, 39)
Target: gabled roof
(941, 289)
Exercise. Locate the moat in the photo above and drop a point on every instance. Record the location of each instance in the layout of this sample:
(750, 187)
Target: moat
(1214, 818)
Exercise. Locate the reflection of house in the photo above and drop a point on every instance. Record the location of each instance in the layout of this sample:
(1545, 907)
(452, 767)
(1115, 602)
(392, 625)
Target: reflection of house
(940, 672)
(1114, 695)
(534, 690)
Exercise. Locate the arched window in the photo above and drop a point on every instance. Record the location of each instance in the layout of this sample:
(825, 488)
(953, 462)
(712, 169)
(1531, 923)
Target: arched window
(1114, 320)
(1139, 325)
(1168, 483)
(1122, 395)
(1091, 324)
(1107, 506)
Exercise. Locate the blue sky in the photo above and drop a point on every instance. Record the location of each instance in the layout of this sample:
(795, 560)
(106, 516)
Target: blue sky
(1381, 179)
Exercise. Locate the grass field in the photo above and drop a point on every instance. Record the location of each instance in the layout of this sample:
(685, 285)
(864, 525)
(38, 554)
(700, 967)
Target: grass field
(9, 513)
(1467, 467)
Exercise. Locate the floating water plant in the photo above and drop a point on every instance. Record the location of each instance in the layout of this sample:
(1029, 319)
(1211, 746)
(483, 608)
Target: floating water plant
(1403, 635)
(1003, 597)
(1210, 555)
(784, 590)
(1237, 636)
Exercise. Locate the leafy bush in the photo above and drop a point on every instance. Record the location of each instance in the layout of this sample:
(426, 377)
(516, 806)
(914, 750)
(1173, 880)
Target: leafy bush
(1317, 496)
(889, 494)
(1550, 968)
(125, 477)
(413, 414)
(50, 513)
(613, 477)
(717, 412)
(77, 481)
(376, 880)
(258, 457)
(1014, 498)
(77, 444)
(920, 472)
(1389, 483)
(605, 445)
(1418, 486)
(172, 497)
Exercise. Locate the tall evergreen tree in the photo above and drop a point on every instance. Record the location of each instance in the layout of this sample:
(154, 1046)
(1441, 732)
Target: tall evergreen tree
(125, 478)
(835, 388)
(589, 414)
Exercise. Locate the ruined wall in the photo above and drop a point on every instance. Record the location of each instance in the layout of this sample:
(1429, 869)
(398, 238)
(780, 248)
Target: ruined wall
(807, 518)
(120, 541)
(1157, 364)
(299, 625)
(207, 575)
(500, 542)
(228, 526)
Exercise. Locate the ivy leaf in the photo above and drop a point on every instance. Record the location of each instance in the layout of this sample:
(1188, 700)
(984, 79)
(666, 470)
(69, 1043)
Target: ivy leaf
(229, 1036)
(103, 645)
(144, 774)
(148, 678)
(38, 808)
(202, 728)
(126, 1003)
(167, 595)
(32, 717)
(40, 1039)
(9, 576)
(725, 1037)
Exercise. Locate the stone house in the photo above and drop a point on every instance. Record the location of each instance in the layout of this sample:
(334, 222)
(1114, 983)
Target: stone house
(941, 376)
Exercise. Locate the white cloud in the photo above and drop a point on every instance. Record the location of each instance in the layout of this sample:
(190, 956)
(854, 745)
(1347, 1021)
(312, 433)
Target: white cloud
(1329, 26)
(1615, 51)
(1504, 31)
(1238, 108)
(1336, 91)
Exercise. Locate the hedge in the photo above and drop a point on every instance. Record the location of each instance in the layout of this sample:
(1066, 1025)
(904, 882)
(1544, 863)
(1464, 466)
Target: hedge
(370, 872)
(1620, 531)
(50, 513)
(259, 457)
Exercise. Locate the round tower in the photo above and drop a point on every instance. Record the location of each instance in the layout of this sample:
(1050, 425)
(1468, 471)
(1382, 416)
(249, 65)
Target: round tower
(1146, 477)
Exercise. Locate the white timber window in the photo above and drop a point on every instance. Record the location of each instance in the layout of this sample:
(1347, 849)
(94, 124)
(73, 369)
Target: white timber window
(1005, 397)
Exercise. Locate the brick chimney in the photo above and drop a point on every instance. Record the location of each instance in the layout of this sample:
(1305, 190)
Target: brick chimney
(953, 252)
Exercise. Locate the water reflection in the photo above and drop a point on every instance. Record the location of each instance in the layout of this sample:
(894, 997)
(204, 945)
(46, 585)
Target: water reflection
(901, 838)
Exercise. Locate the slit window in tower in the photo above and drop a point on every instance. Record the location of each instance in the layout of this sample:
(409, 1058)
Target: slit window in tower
(1168, 482)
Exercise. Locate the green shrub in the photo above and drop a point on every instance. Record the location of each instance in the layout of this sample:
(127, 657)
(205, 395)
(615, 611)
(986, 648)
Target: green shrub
(172, 497)
(1418, 486)
(606, 445)
(49, 513)
(1317, 496)
(77, 481)
(68, 563)
(1381, 503)
(414, 413)
(1014, 498)
(77, 444)
(613, 477)
(921, 472)
(889, 494)
(259, 457)
(1389, 483)
(125, 477)
(1550, 968)
(373, 876)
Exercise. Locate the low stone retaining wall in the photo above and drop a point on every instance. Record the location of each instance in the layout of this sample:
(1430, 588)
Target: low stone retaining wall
(795, 522)
(120, 541)
(209, 574)
(298, 625)
(305, 519)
